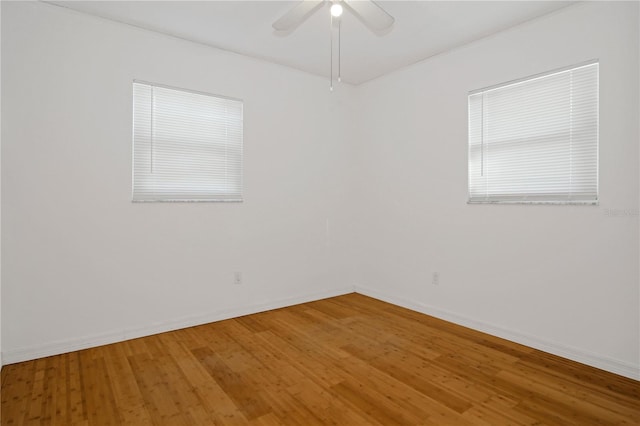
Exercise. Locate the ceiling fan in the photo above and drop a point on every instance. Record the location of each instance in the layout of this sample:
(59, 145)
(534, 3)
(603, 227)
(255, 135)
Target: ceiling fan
(367, 11)
(372, 15)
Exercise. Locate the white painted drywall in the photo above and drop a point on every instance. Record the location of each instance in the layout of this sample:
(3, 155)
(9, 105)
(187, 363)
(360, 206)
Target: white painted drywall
(563, 276)
(82, 264)
(1, 362)
(365, 185)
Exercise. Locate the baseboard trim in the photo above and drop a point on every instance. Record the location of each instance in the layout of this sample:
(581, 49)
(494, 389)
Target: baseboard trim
(55, 348)
(70, 345)
(604, 363)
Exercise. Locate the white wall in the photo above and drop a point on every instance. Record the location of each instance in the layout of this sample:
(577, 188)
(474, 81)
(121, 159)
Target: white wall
(1, 363)
(83, 265)
(561, 278)
(383, 163)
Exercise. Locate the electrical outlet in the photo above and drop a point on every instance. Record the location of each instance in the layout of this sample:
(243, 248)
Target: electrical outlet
(435, 279)
(237, 278)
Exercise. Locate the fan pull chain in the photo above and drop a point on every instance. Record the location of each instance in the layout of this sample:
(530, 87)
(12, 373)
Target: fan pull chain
(339, 46)
(153, 113)
(331, 55)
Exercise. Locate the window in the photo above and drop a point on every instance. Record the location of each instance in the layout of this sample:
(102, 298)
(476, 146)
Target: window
(187, 146)
(536, 140)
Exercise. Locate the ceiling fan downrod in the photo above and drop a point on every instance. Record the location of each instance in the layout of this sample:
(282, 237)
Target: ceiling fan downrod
(372, 16)
(336, 12)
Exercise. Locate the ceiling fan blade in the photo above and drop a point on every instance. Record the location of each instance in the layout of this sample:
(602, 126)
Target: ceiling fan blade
(370, 14)
(297, 15)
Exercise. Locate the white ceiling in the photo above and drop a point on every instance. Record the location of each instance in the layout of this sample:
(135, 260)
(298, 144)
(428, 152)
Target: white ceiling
(422, 29)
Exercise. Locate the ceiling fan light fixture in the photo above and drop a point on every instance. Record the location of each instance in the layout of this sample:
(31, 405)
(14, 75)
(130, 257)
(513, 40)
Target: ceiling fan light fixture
(336, 10)
(372, 16)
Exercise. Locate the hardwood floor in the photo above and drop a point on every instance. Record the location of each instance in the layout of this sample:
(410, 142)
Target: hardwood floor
(349, 360)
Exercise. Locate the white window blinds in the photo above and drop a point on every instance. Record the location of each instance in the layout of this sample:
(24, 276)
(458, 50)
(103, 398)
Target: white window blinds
(536, 140)
(187, 146)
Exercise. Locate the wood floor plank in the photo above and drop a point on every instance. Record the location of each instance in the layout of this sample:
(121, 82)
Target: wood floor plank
(348, 360)
(97, 393)
(214, 400)
(304, 356)
(366, 403)
(156, 391)
(34, 414)
(422, 407)
(128, 398)
(237, 386)
(76, 402)
(17, 382)
(395, 370)
(624, 406)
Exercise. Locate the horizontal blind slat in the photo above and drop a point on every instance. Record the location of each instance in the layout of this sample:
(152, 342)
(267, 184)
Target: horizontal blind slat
(536, 139)
(187, 146)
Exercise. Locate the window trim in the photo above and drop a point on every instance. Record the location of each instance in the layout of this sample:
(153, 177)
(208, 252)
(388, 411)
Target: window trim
(578, 65)
(182, 200)
(181, 89)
